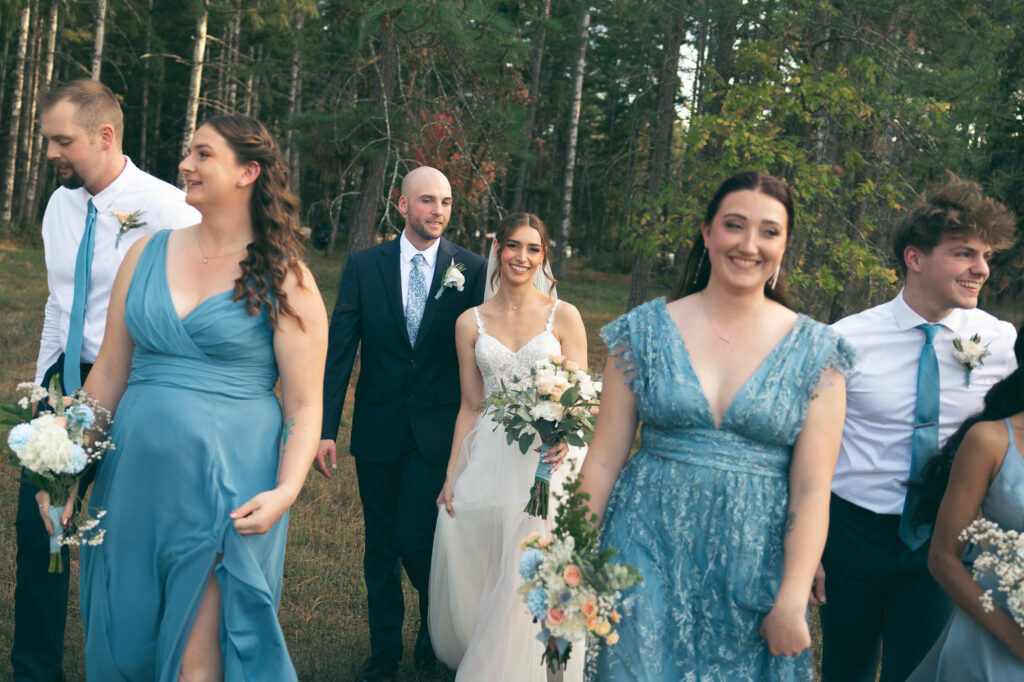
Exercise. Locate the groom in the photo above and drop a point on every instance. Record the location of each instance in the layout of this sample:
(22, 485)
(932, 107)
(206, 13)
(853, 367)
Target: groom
(398, 302)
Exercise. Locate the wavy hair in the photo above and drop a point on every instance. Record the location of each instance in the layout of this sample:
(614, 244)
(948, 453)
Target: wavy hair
(1004, 399)
(277, 241)
(510, 224)
(697, 270)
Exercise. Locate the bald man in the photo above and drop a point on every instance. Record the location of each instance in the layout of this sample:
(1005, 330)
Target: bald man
(393, 300)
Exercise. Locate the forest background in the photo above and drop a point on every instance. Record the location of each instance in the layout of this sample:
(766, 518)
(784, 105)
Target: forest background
(614, 120)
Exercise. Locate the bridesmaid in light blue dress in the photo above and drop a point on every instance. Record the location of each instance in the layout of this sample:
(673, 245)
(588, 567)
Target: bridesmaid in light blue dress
(984, 469)
(724, 509)
(202, 321)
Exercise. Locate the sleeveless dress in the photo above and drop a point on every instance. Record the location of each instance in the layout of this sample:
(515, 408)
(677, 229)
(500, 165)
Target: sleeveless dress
(478, 623)
(700, 510)
(197, 434)
(966, 651)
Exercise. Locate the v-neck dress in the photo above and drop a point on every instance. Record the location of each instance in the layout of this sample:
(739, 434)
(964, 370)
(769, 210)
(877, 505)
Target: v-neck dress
(700, 509)
(197, 433)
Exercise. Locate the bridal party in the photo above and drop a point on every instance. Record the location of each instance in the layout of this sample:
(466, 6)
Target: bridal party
(734, 473)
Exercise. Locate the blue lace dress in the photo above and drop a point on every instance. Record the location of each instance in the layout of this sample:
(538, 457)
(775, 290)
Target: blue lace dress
(700, 510)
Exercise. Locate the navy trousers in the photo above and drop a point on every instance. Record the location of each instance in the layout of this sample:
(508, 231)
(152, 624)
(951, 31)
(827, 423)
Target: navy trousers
(40, 598)
(880, 598)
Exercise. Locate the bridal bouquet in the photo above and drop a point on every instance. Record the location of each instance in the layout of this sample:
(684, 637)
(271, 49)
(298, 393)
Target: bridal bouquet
(558, 401)
(55, 453)
(1002, 557)
(571, 588)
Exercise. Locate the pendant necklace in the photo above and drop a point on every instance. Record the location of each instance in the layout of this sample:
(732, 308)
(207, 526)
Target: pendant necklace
(206, 259)
(726, 339)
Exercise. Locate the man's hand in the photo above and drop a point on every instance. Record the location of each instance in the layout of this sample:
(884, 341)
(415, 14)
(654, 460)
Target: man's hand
(43, 499)
(817, 597)
(327, 448)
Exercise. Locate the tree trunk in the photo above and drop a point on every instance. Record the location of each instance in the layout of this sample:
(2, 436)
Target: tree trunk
(196, 80)
(579, 64)
(661, 152)
(15, 126)
(144, 114)
(97, 46)
(249, 85)
(235, 35)
(294, 106)
(28, 110)
(37, 179)
(531, 110)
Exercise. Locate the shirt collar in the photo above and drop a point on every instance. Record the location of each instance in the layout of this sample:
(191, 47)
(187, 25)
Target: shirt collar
(906, 318)
(104, 200)
(407, 250)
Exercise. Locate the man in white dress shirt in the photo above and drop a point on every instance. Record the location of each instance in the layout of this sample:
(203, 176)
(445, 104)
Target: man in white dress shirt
(83, 126)
(876, 582)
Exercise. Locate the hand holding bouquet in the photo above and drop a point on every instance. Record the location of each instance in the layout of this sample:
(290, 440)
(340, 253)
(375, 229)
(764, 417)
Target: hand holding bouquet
(1002, 557)
(559, 402)
(55, 451)
(570, 588)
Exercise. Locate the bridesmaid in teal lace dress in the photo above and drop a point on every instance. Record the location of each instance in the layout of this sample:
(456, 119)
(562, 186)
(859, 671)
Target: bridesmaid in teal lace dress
(724, 509)
(201, 322)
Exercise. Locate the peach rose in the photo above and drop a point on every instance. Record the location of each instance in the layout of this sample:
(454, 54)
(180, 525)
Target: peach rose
(595, 410)
(572, 575)
(602, 629)
(615, 617)
(556, 393)
(611, 638)
(591, 623)
(571, 365)
(529, 539)
(556, 359)
(61, 422)
(555, 616)
(544, 543)
(588, 608)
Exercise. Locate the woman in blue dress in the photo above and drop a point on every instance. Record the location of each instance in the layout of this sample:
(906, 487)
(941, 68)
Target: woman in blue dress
(978, 469)
(202, 321)
(724, 509)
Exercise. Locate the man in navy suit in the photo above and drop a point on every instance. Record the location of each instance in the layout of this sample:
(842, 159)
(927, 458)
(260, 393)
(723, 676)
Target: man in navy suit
(396, 302)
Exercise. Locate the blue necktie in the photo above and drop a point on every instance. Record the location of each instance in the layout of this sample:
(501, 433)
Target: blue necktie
(925, 444)
(416, 299)
(76, 327)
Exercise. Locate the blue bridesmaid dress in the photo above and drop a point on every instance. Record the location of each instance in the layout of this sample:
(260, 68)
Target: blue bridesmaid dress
(967, 651)
(700, 509)
(197, 434)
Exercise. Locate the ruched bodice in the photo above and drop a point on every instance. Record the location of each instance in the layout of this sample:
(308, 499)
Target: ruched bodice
(700, 509)
(197, 433)
(497, 362)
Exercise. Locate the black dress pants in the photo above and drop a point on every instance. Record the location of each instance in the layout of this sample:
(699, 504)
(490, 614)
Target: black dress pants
(880, 597)
(40, 598)
(400, 512)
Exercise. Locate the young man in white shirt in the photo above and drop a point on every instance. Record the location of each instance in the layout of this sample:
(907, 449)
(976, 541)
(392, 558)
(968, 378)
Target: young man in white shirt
(876, 582)
(106, 201)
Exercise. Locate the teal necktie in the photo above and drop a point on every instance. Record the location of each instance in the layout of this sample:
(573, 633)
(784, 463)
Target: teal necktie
(76, 327)
(925, 444)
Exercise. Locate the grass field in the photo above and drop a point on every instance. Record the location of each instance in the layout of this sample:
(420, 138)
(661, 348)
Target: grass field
(323, 606)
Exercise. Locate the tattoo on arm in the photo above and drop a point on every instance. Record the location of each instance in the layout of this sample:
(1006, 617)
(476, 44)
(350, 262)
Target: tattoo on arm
(287, 430)
(790, 522)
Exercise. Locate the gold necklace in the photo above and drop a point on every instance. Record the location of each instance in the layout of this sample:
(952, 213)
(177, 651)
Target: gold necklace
(727, 339)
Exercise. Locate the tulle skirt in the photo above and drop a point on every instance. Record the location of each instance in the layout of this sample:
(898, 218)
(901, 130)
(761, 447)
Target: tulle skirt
(478, 622)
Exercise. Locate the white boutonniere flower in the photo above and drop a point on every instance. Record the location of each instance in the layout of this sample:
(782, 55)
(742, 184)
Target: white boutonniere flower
(453, 278)
(970, 354)
(127, 221)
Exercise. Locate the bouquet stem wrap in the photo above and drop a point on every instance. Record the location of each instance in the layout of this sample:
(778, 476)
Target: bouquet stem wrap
(537, 505)
(56, 559)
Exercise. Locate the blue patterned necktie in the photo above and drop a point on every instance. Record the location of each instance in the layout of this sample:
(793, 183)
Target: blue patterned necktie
(925, 444)
(76, 327)
(416, 299)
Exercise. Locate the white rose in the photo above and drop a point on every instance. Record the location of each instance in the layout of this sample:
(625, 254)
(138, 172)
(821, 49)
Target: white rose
(547, 410)
(545, 383)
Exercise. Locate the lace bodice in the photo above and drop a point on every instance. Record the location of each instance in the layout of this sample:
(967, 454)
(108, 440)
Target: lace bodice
(496, 361)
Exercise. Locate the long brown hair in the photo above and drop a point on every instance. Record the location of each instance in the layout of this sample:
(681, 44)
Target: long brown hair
(697, 270)
(510, 224)
(274, 208)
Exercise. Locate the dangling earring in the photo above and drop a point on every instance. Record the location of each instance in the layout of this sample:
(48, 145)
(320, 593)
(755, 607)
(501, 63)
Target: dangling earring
(700, 263)
(774, 279)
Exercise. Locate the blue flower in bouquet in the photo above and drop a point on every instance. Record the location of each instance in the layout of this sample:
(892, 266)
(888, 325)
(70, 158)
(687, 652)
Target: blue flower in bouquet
(537, 603)
(77, 461)
(530, 562)
(18, 436)
(81, 416)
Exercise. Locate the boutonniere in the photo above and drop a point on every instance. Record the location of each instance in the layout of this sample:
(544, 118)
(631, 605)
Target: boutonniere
(453, 277)
(970, 354)
(128, 221)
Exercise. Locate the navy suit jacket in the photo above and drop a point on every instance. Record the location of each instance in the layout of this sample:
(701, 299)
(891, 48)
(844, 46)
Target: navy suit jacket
(400, 386)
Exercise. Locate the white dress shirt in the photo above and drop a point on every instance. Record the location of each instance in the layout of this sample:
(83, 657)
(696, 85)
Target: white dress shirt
(162, 206)
(881, 394)
(406, 253)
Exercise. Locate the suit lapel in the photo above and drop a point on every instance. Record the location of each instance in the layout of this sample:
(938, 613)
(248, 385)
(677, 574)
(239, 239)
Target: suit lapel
(445, 254)
(392, 278)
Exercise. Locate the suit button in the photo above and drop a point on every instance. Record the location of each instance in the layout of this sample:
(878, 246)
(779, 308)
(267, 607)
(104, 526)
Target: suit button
(412, 362)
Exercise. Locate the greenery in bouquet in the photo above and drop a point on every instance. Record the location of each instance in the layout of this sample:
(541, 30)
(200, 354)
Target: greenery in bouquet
(1002, 557)
(558, 402)
(571, 587)
(55, 450)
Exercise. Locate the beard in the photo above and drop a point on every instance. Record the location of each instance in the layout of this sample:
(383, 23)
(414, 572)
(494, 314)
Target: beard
(71, 181)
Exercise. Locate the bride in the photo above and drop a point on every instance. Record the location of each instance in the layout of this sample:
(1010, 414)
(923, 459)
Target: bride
(478, 623)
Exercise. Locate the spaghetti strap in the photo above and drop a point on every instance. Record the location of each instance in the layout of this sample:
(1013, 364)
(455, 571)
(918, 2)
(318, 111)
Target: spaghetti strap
(1009, 431)
(551, 316)
(479, 323)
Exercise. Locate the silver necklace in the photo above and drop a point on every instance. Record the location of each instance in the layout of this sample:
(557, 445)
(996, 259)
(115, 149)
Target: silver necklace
(206, 259)
(727, 339)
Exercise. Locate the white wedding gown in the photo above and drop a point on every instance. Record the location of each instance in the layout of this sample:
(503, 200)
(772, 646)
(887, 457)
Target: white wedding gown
(478, 622)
